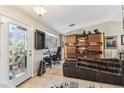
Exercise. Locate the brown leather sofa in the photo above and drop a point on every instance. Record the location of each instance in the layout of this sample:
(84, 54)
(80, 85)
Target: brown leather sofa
(103, 70)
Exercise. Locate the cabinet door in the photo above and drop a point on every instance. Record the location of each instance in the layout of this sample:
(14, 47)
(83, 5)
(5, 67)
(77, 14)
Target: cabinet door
(68, 39)
(95, 38)
(65, 39)
(73, 39)
(70, 50)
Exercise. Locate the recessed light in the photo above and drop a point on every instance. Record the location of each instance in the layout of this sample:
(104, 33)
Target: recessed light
(71, 25)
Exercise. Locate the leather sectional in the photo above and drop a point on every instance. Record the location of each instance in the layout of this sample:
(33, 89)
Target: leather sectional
(102, 70)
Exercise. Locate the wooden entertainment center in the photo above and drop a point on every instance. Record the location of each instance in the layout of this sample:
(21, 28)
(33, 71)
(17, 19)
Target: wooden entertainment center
(91, 45)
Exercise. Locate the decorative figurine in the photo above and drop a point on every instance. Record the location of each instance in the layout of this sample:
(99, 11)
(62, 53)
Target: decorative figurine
(89, 32)
(96, 31)
(84, 33)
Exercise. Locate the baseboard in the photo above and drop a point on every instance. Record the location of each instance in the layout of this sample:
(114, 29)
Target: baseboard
(34, 74)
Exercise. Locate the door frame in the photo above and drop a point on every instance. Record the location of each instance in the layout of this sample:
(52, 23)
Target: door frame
(4, 49)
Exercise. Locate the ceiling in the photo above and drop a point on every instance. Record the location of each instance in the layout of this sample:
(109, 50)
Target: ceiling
(59, 17)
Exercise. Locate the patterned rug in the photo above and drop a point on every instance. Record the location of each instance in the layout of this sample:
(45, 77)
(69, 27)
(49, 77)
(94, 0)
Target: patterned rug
(66, 85)
(63, 82)
(71, 85)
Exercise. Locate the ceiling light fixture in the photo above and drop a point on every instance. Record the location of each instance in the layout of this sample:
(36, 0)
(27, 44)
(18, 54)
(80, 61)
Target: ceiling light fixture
(40, 10)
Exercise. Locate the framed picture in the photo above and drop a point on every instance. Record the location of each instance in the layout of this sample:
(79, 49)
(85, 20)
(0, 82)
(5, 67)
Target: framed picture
(39, 40)
(111, 42)
(122, 39)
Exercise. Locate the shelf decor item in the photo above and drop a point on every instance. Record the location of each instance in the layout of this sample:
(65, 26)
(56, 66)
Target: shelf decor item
(96, 31)
(84, 33)
(111, 42)
(89, 32)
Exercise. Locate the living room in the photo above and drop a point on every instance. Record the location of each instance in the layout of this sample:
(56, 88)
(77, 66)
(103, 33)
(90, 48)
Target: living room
(54, 50)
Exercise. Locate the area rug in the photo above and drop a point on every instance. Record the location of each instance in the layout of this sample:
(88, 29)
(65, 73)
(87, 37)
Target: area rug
(66, 85)
(64, 82)
(71, 85)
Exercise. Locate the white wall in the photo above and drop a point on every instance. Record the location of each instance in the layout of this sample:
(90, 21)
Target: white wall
(11, 12)
(111, 28)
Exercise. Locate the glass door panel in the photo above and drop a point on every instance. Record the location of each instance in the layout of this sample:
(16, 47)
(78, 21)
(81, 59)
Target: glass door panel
(17, 51)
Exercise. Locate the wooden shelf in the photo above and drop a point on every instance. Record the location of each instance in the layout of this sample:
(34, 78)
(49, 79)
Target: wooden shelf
(81, 45)
(89, 45)
(81, 48)
(94, 45)
(97, 51)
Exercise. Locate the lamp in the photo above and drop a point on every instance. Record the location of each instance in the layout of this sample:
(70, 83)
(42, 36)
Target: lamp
(40, 10)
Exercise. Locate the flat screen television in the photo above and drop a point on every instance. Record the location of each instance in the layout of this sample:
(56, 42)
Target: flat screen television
(39, 40)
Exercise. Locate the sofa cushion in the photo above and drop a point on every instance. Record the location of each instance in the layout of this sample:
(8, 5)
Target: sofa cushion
(107, 66)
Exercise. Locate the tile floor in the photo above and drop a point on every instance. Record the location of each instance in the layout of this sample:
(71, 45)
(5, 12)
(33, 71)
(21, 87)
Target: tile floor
(55, 76)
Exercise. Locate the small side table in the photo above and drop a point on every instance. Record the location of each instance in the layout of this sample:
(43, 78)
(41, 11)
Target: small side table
(121, 55)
